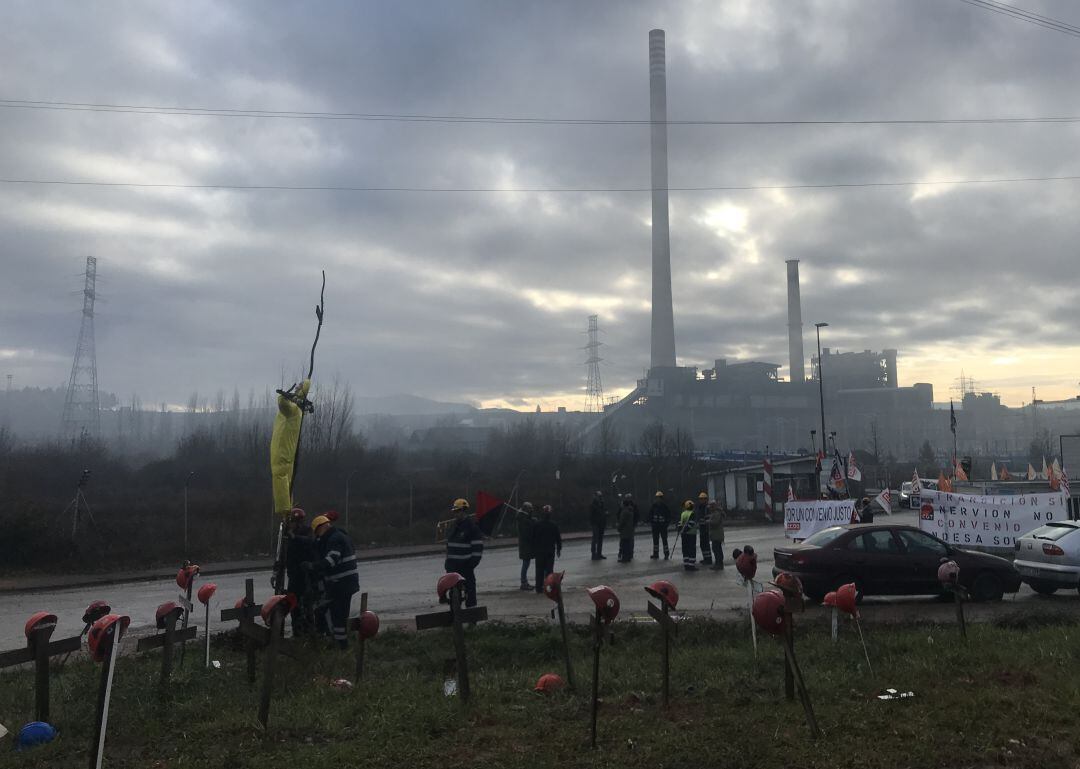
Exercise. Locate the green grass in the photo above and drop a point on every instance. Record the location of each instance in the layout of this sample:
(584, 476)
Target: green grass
(1009, 697)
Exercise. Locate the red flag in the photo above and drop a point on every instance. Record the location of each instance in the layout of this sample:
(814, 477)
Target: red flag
(487, 511)
(790, 493)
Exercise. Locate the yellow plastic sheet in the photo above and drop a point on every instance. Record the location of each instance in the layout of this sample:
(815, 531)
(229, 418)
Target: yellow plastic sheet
(283, 442)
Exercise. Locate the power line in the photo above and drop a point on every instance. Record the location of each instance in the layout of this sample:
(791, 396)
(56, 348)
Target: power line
(135, 109)
(1028, 16)
(530, 190)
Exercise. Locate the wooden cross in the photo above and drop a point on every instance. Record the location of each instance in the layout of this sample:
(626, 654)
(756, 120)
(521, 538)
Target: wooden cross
(456, 618)
(165, 640)
(38, 650)
(269, 639)
(670, 628)
(246, 614)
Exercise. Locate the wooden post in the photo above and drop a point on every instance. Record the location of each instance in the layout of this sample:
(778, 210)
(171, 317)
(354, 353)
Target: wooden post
(959, 596)
(38, 650)
(360, 647)
(565, 639)
(246, 614)
(793, 666)
(668, 627)
(165, 641)
(270, 663)
(456, 619)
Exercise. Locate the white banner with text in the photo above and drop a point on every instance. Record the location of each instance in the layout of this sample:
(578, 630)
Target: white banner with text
(805, 517)
(993, 522)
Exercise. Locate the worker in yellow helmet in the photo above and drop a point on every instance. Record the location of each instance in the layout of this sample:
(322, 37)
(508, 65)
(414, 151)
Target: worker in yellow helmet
(464, 547)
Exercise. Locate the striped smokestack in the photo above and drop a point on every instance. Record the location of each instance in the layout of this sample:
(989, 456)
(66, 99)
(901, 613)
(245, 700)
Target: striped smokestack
(794, 317)
(663, 320)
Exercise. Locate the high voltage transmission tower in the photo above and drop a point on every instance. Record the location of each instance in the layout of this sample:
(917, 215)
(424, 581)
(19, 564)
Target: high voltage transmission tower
(81, 406)
(594, 390)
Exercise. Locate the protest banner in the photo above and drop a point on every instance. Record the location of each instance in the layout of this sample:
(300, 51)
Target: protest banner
(805, 517)
(992, 522)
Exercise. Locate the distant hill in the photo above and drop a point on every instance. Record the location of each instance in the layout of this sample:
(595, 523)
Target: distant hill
(407, 405)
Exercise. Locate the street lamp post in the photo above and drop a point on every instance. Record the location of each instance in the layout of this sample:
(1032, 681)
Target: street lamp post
(186, 480)
(821, 386)
(347, 479)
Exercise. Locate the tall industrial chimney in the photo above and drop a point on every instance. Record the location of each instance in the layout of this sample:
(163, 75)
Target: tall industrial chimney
(663, 320)
(794, 317)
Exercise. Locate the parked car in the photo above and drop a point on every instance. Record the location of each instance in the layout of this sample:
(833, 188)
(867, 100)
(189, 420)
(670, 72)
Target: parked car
(909, 496)
(887, 559)
(1048, 558)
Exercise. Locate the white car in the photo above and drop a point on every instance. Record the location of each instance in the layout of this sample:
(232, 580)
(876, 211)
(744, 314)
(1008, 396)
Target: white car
(1048, 557)
(909, 497)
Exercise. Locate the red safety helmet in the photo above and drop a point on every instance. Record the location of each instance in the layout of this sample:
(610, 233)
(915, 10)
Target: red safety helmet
(665, 592)
(746, 562)
(607, 603)
(102, 633)
(368, 626)
(789, 584)
(285, 602)
(39, 621)
(446, 583)
(95, 611)
(186, 576)
(161, 616)
(948, 572)
(332, 515)
(844, 598)
(206, 592)
(297, 514)
(553, 585)
(768, 612)
(548, 683)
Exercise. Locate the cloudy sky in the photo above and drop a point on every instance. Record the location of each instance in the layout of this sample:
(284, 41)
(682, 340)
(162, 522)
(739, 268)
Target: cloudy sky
(484, 296)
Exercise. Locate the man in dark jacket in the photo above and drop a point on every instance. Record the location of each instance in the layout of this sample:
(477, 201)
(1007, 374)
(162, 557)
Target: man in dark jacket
(598, 522)
(701, 518)
(546, 546)
(660, 518)
(525, 522)
(464, 548)
(300, 549)
(627, 521)
(336, 566)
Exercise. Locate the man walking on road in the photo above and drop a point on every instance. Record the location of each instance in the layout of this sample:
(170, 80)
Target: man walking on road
(525, 522)
(464, 548)
(716, 533)
(701, 516)
(546, 546)
(627, 521)
(598, 522)
(337, 567)
(660, 518)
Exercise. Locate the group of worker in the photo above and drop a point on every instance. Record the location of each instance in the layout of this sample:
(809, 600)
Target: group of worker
(702, 522)
(320, 565)
(320, 560)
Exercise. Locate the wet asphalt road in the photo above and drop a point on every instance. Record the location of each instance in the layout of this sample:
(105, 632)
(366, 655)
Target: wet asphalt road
(399, 589)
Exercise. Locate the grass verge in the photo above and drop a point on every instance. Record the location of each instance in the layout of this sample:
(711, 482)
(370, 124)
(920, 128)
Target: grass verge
(1006, 698)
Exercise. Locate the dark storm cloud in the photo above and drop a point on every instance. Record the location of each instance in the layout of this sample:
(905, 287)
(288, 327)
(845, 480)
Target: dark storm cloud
(485, 296)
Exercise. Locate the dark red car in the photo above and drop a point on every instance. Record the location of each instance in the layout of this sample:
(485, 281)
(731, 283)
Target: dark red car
(890, 560)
